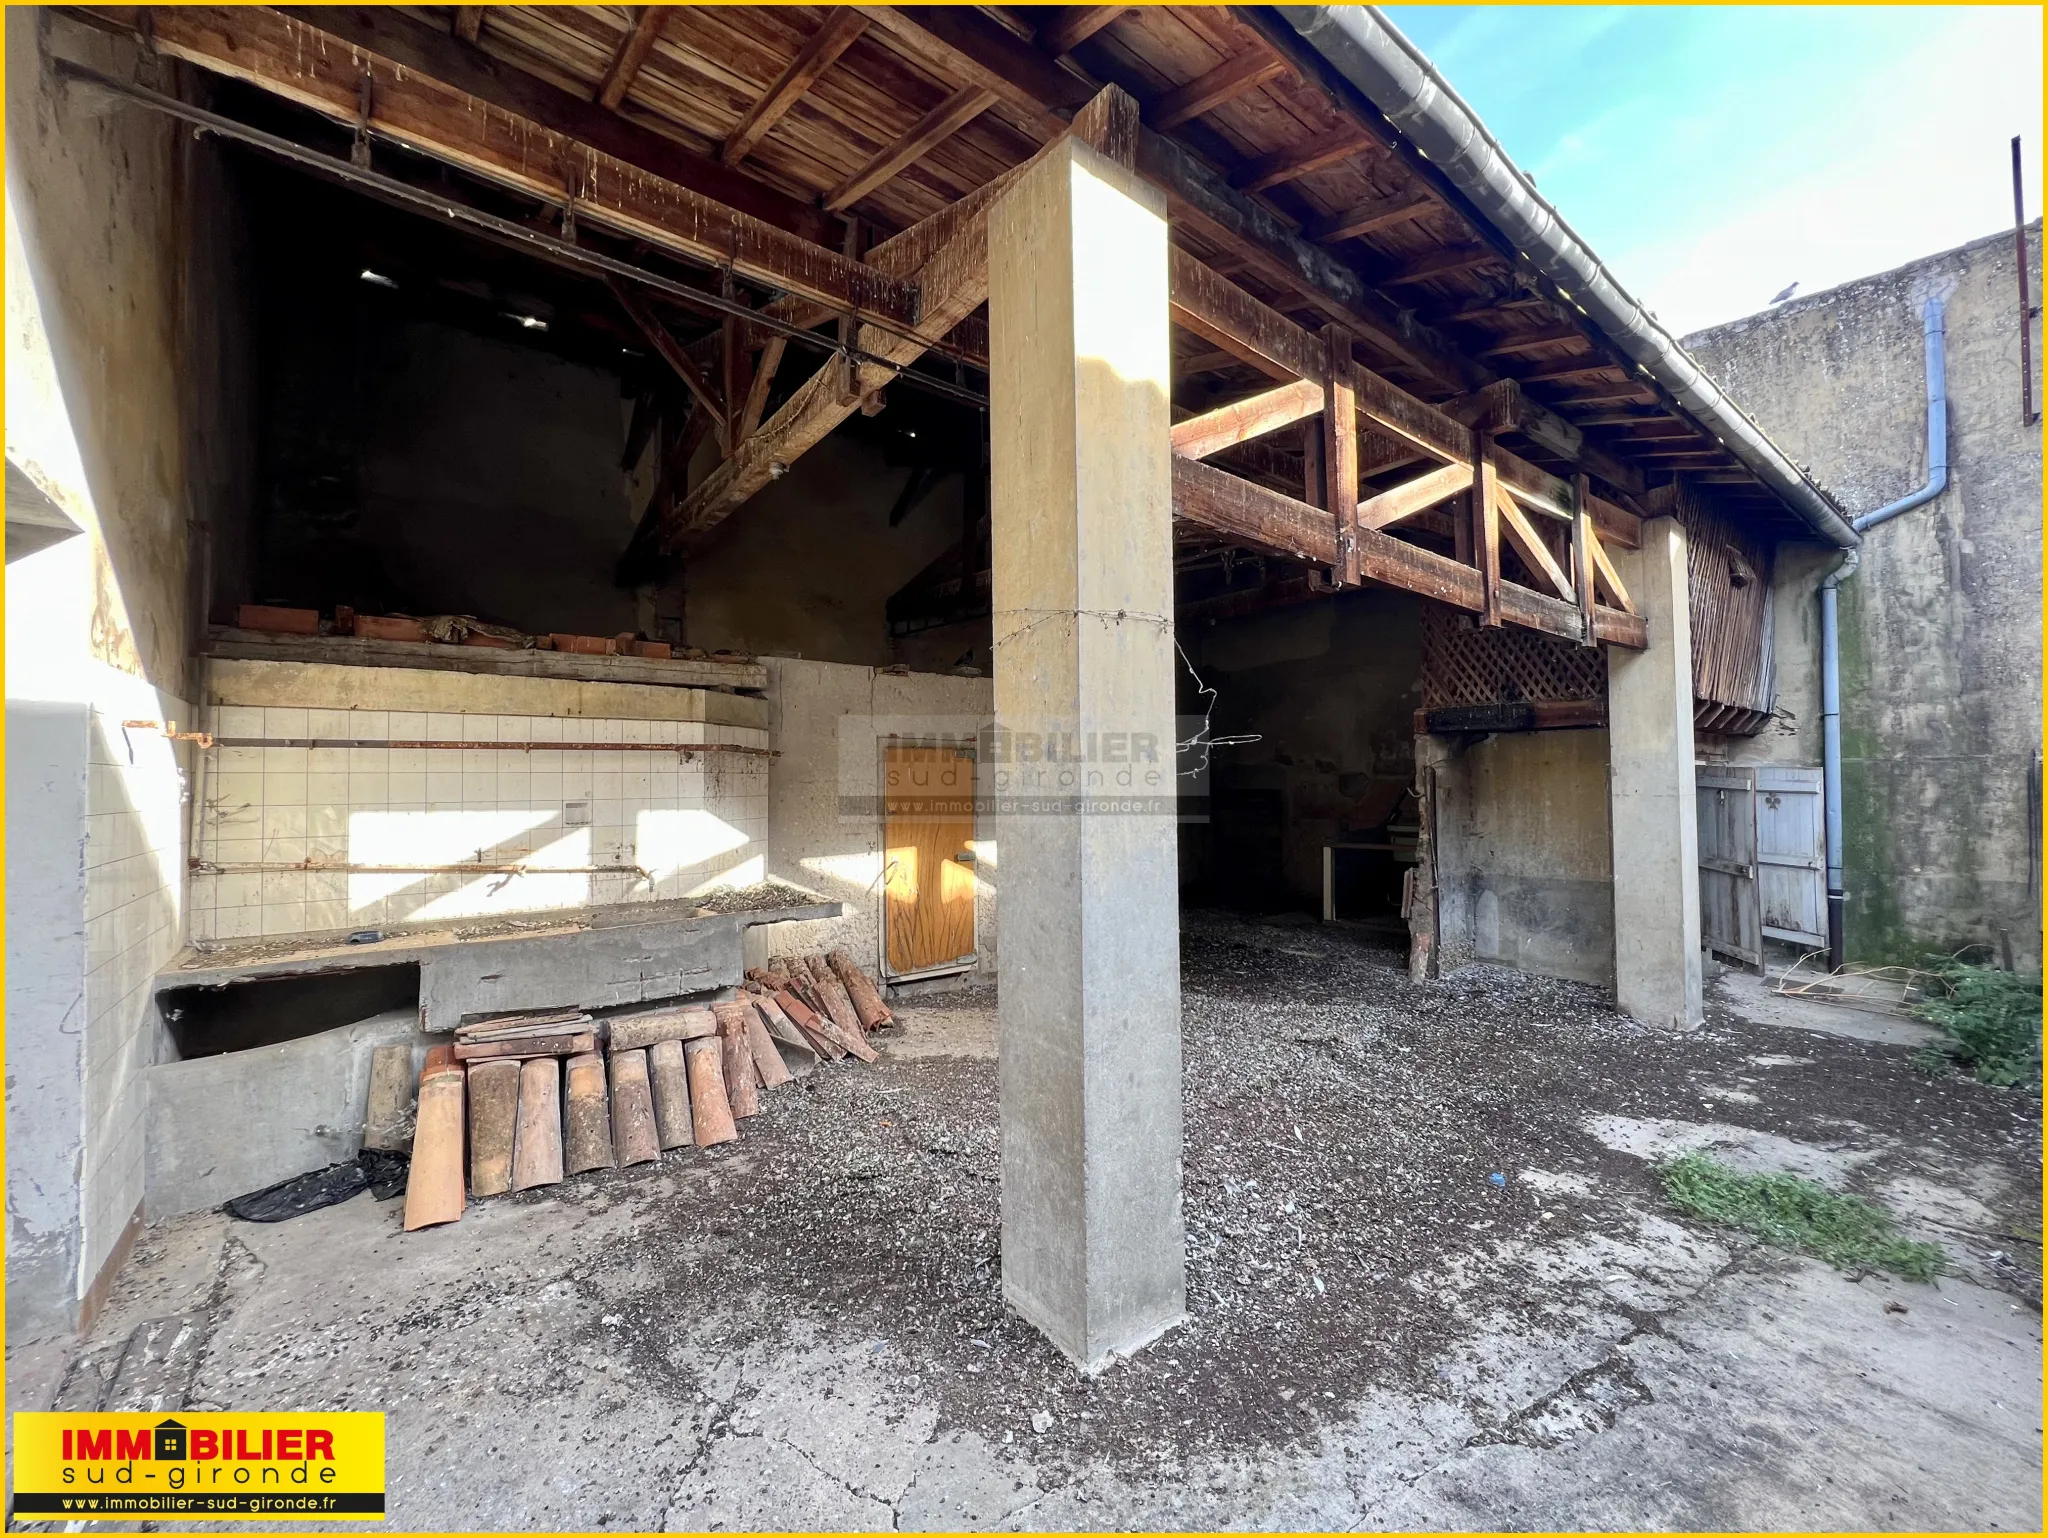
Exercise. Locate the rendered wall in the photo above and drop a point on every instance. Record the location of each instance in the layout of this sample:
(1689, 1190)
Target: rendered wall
(1524, 864)
(1941, 628)
(827, 723)
(113, 376)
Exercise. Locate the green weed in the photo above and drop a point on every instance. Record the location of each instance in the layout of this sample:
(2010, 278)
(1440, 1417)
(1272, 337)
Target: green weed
(1797, 1214)
(1992, 1021)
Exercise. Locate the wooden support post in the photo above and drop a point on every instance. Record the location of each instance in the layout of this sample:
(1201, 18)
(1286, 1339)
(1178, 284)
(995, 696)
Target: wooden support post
(1312, 465)
(1340, 448)
(1582, 554)
(1486, 529)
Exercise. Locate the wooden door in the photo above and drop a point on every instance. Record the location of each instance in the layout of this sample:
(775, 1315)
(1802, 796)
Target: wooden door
(927, 838)
(1791, 855)
(1728, 896)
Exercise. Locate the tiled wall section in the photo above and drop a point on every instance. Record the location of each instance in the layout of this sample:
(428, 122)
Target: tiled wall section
(582, 826)
(134, 855)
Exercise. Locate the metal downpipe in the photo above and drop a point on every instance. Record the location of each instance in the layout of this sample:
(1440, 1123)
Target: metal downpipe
(1935, 331)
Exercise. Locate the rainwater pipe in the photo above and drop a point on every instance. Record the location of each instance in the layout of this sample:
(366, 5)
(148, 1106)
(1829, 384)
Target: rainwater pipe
(1935, 328)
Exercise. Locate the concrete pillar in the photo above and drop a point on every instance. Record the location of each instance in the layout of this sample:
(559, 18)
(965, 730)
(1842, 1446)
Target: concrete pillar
(1650, 791)
(1084, 692)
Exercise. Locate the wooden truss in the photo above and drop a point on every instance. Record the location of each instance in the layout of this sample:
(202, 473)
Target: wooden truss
(907, 293)
(1506, 496)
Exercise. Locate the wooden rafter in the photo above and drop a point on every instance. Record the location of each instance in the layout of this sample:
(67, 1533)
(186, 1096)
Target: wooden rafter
(1206, 92)
(841, 29)
(412, 44)
(294, 60)
(1373, 214)
(1286, 165)
(1072, 25)
(1443, 264)
(928, 132)
(946, 256)
(469, 22)
(634, 48)
(1535, 341)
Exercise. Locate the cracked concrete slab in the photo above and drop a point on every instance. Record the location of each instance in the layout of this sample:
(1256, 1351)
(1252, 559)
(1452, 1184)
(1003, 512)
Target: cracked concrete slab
(805, 1329)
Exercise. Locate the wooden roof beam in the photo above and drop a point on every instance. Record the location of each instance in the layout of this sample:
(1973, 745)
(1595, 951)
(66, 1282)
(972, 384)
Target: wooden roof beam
(946, 258)
(469, 22)
(391, 34)
(1206, 92)
(923, 136)
(842, 28)
(671, 351)
(1442, 264)
(1286, 165)
(1072, 25)
(301, 63)
(1373, 214)
(634, 48)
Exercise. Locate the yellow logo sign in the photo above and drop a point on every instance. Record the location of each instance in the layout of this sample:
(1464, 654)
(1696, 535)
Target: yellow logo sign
(152, 1467)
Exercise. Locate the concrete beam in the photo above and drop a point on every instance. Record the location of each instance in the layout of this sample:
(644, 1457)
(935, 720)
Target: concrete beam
(1083, 599)
(1650, 791)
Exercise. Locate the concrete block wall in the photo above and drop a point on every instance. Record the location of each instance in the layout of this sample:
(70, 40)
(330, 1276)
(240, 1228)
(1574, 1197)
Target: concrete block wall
(828, 721)
(584, 825)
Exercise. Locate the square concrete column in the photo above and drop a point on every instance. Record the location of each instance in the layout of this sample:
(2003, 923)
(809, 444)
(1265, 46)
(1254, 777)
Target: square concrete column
(1082, 518)
(1654, 810)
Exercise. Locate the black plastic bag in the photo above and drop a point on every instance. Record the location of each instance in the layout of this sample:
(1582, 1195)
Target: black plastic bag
(387, 1170)
(302, 1193)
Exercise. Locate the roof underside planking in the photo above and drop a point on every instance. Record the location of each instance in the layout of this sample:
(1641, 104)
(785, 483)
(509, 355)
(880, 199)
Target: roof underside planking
(795, 114)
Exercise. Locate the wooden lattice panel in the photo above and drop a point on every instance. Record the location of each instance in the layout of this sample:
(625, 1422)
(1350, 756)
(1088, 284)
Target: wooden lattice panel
(1466, 664)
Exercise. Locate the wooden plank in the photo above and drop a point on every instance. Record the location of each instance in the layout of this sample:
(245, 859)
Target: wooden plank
(291, 59)
(951, 253)
(1442, 264)
(1373, 214)
(469, 22)
(966, 47)
(1199, 437)
(820, 49)
(1412, 497)
(1486, 529)
(1206, 92)
(929, 131)
(1529, 545)
(1534, 341)
(1298, 160)
(1582, 554)
(389, 32)
(671, 352)
(1072, 25)
(634, 48)
(1340, 449)
(1220, 312)
(1253, 515)
(363, 652)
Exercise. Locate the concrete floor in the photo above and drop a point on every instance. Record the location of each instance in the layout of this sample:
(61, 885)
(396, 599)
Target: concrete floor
(803, 1330)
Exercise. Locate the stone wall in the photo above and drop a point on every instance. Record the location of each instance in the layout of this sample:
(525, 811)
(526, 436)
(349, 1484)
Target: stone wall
(1941, 627)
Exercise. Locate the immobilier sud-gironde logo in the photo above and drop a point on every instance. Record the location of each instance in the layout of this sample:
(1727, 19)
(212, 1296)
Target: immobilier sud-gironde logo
(125, 1467)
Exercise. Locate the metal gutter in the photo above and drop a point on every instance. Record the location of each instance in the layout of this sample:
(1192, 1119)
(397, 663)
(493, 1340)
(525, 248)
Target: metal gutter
(1369, 53)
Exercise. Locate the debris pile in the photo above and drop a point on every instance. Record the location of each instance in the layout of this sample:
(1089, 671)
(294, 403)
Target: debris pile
(522, 1101)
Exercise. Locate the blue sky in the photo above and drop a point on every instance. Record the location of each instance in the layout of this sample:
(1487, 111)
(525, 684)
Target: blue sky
(1712, 155)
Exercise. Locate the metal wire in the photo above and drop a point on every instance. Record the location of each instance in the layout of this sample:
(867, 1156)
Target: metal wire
(512, 232)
